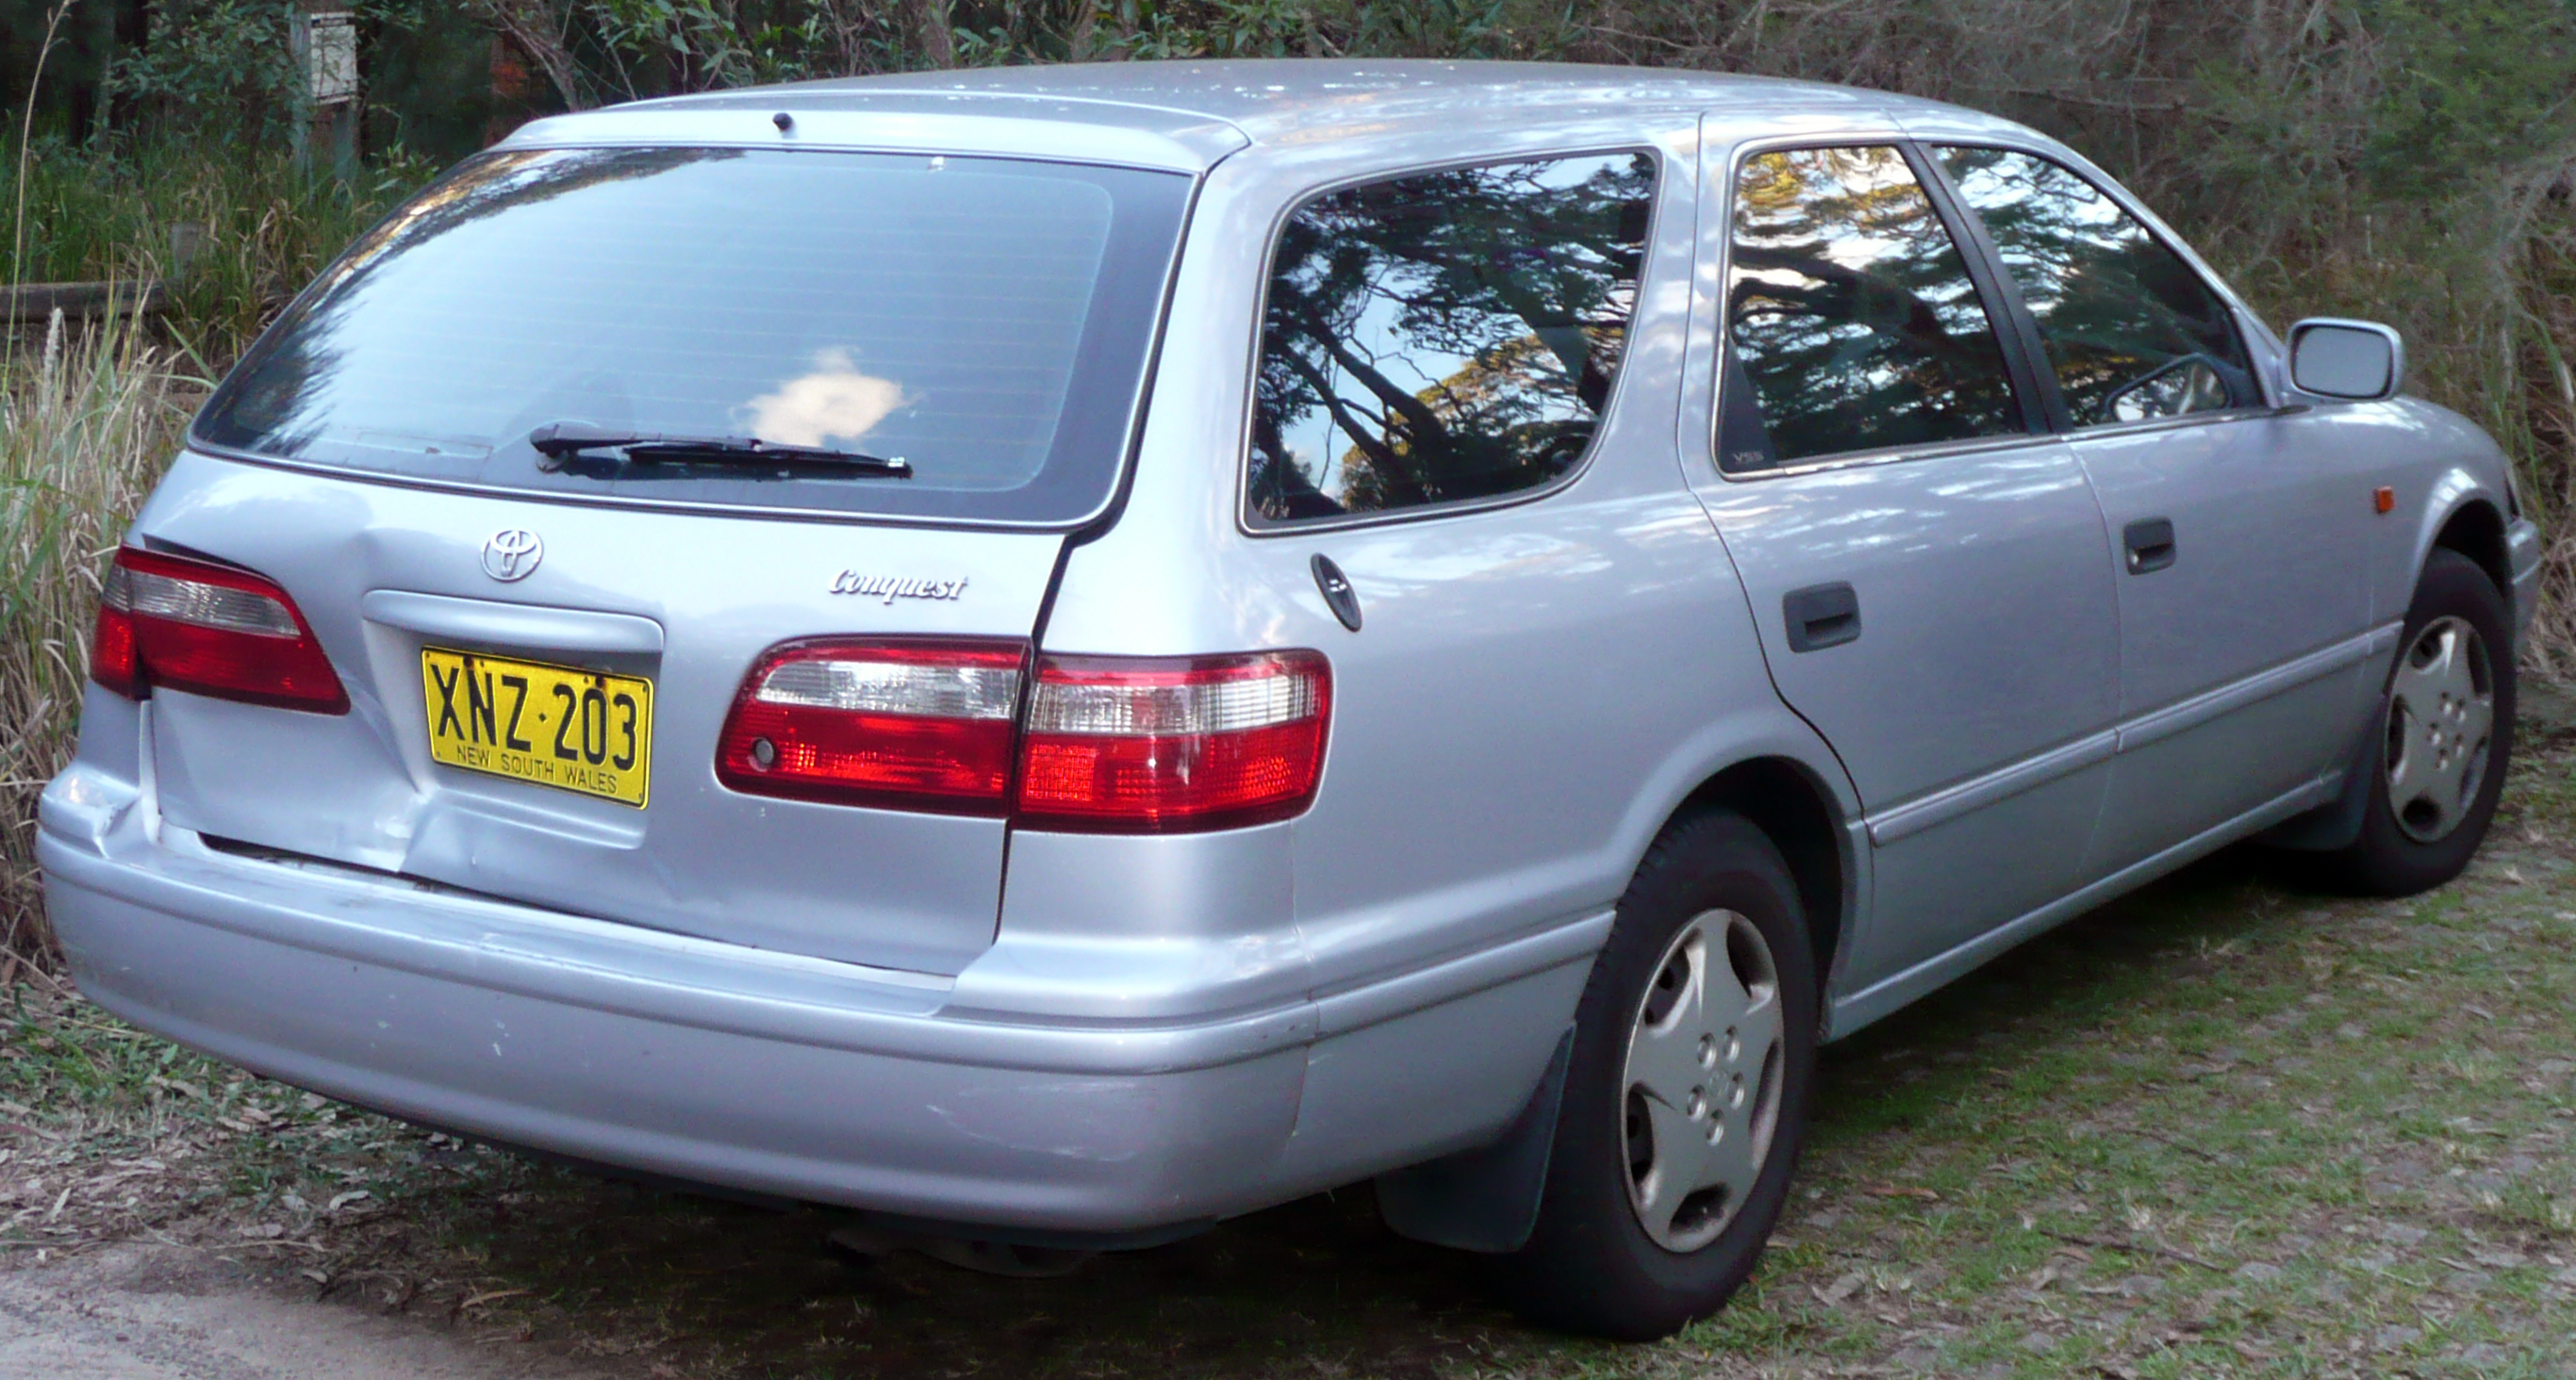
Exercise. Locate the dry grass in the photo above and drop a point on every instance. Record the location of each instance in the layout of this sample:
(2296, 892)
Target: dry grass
(88, 418)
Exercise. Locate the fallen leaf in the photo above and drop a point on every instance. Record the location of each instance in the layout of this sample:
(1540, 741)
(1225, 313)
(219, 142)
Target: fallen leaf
(341, 1200)
(1909, 1191)
(489, 1296)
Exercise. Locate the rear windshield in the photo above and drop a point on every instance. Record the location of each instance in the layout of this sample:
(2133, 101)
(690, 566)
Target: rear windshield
(984, 320)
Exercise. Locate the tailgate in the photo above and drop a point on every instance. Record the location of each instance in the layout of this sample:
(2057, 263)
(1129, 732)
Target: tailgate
(671, 608)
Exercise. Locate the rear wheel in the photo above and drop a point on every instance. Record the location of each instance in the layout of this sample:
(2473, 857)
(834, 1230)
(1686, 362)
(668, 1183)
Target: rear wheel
(1686, 1095)
(2445, 735)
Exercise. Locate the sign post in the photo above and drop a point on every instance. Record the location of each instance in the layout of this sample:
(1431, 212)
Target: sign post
(325, 38)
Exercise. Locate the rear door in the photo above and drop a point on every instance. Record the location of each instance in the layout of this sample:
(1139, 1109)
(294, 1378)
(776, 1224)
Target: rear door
(553, 456)
(2242, 535)
(1926, 566)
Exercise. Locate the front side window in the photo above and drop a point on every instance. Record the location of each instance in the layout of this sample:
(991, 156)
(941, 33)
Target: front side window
(2132, 333)
(1852, 324)
(1444, 337)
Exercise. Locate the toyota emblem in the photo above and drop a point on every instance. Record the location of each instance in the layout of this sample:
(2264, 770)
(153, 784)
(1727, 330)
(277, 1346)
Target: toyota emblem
(512, 553)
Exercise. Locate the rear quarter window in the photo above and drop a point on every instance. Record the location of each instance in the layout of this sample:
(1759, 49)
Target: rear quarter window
(1444, 337)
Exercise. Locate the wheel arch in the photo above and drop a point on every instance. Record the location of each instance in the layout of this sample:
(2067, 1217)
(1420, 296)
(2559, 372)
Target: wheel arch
(2476, 529)
(1787, 801)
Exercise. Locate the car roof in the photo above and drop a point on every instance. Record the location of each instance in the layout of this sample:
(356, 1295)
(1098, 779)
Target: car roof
(1188, 114)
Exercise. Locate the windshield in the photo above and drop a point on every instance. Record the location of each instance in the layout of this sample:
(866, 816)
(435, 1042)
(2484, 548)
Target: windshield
(985, 320)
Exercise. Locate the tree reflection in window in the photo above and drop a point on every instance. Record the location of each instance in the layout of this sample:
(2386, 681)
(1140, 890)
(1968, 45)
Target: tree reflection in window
(2132, 332)
(1851, 319)
(1444, 336)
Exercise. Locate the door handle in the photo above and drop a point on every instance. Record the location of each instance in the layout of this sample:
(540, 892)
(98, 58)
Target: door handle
(2151, 544)
(1821, 616)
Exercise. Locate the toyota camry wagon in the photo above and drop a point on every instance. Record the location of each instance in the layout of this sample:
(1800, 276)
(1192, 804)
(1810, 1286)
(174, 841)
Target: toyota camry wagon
(1051, 657)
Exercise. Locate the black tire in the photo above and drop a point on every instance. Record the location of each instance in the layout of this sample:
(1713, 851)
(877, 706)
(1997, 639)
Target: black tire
(1590, 1265)
(2386, 859)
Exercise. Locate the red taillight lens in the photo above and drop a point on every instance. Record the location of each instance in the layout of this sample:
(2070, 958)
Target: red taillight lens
(112, 659)
(209, 629)
(1135, 745)
(918, 724)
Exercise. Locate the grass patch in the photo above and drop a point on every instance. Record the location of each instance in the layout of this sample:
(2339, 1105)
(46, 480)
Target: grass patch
(2220, 1128)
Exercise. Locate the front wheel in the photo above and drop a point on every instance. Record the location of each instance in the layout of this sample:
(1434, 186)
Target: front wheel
(1686, 1095)
(2445, 734)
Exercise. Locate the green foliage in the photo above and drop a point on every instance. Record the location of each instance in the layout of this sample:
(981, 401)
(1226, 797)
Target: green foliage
(2484, 84)
(222, 66)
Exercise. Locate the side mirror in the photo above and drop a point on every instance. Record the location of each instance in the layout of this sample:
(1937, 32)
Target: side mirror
(2356, 361)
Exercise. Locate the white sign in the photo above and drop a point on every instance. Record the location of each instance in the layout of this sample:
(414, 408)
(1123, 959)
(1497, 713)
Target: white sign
(331, 56)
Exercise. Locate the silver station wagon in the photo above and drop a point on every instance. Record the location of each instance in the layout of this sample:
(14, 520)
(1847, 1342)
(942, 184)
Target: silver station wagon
(1055, 656)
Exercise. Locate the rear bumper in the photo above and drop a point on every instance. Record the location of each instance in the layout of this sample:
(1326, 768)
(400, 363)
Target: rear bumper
(779, 1074)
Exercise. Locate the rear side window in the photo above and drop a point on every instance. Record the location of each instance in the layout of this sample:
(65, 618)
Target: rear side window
(985, 320)
(1444, 337)
(2133, 334)
(1852, 324)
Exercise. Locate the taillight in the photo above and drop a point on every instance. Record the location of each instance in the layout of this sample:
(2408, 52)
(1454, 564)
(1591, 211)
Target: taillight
(1135, 745)
(208, 629)
(1107, 745)
(908, 723)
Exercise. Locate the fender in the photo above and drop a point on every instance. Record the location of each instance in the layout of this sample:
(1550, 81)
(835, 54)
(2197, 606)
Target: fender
(2453, 490)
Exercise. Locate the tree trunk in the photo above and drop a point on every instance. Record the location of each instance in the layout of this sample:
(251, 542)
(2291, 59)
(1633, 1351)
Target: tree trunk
(1086, 18)
(533, 26)
(930, 32)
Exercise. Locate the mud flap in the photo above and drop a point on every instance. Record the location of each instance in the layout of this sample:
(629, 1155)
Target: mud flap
(1485, 1199)
(2338, 822)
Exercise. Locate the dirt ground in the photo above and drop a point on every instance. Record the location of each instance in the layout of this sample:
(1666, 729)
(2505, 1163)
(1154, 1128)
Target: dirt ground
(2225, 1127)
(151, 1312)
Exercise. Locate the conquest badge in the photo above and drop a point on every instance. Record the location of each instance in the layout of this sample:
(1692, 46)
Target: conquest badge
(888, 588)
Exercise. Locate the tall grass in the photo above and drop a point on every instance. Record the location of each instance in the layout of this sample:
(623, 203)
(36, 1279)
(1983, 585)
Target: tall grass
(88, 419)
(229, 230)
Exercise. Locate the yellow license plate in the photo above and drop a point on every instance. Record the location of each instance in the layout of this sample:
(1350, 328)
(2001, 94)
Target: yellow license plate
(558, 726)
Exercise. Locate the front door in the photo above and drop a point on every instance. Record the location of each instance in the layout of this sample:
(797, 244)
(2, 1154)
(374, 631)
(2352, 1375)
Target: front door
(1926, 565)
(2240, 535)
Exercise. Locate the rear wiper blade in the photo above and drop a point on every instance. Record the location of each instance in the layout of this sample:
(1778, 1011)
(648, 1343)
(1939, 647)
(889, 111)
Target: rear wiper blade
(559, 441)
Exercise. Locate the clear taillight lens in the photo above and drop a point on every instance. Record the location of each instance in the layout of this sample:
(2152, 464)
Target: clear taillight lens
(921, 724)
(210, 630)
(1136, 745)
